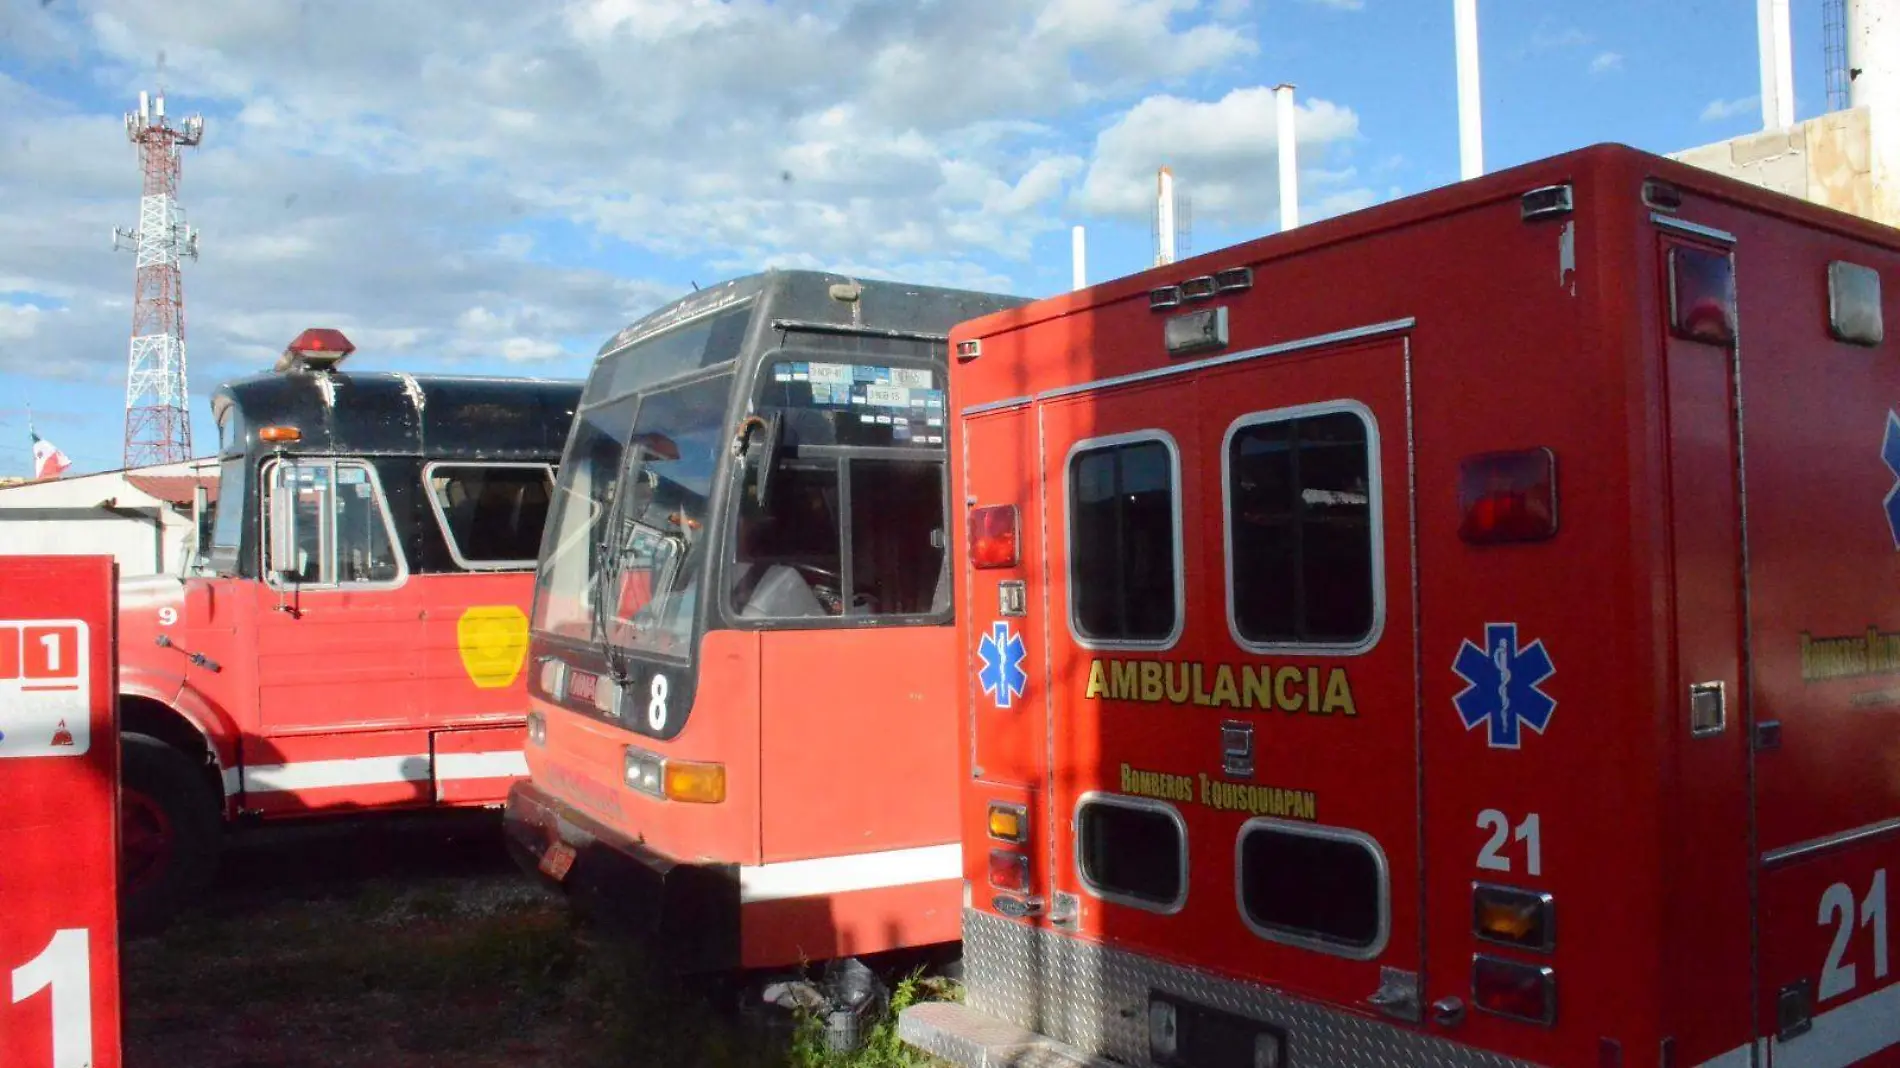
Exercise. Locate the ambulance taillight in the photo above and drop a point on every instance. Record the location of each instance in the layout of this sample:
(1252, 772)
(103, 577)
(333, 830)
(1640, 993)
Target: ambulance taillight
(1009, 871)
(993, 536)
(1526, 992)
(1508, 496)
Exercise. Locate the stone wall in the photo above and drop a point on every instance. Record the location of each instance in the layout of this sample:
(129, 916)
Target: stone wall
(1839, 160)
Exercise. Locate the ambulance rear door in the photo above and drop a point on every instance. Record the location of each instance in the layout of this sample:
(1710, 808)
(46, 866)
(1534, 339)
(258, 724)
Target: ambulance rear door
(1230, 625)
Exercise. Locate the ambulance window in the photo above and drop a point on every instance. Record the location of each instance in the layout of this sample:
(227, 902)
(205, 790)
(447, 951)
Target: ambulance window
(491, 514)
(1132, 851)
(1124, 541)
(1322, 888)
(1301, 553)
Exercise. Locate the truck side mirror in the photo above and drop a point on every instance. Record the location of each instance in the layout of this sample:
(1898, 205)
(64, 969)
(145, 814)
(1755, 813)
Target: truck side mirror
(759, 440)
(669, 561)
(281, 553)
(200, 527)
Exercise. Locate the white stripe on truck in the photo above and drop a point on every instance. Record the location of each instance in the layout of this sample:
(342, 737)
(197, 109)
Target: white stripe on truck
(376, 771)
(858, 871)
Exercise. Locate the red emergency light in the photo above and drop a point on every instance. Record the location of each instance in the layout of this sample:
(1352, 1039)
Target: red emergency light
(1508, 496)
(316, 349)
(993, 536)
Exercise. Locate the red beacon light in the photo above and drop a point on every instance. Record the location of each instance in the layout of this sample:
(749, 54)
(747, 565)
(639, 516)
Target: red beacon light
(319, 348)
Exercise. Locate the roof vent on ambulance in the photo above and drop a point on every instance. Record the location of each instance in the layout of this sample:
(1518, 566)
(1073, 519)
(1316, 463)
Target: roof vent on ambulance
(319, 348)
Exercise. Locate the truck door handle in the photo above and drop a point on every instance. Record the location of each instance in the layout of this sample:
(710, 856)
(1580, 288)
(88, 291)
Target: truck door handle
(1708, 708)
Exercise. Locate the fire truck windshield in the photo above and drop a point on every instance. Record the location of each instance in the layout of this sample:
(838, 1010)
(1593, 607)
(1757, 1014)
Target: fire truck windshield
(628, 539)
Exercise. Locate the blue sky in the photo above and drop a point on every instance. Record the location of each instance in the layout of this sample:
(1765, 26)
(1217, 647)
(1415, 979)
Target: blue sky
(496, 187)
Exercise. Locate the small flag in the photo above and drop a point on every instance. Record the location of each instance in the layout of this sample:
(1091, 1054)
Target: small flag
(48, 461)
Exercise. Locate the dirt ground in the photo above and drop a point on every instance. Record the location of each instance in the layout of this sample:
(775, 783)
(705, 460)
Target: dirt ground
(413, 943)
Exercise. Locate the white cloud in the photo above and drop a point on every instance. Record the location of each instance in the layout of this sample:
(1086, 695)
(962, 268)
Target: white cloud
(1341, 5)
(1222, 153)
(413, 173)
(1549, 37)
(1720, 110)
(18, 322)
(1605, 62)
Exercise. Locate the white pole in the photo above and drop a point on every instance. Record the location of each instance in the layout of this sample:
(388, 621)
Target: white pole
(1777, 64)
(1164, 208)
(1470, 119)
(1289, 162)
(1078, 254)
(1873, 35)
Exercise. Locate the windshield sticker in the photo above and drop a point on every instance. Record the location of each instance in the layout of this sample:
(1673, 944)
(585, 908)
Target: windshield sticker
(904, 399)
(1502, 686)
(831, 374)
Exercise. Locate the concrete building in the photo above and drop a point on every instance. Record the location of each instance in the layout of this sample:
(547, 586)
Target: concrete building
(1830, 160)
(142, 517)
(1848, 159)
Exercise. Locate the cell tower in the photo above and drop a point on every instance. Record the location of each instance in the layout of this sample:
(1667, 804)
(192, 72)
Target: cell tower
(157, 416)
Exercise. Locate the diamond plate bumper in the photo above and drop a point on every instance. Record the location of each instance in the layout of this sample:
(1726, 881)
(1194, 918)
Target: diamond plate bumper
(1038, 998)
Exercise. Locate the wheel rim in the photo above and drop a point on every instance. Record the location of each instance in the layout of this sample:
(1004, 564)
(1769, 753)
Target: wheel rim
(145, 839)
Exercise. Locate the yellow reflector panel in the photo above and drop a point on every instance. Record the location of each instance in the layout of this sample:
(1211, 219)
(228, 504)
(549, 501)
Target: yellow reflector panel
(1006, 822)
(702, 783)
(1525, 918)
(1509, 921)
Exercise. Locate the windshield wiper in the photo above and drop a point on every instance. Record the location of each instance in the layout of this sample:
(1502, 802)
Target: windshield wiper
(611, 568)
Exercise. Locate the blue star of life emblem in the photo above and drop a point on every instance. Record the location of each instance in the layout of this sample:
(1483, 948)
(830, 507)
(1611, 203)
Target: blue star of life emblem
(1003, 654)
(1890, 453)
(1503, 685)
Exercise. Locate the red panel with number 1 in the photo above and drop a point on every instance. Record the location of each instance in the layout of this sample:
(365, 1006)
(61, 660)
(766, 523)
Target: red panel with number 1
(59, 811)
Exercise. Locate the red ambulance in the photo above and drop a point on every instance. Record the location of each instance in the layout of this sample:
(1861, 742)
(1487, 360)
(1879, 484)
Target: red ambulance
(743, 681)
(354, 633)
(1450, 634)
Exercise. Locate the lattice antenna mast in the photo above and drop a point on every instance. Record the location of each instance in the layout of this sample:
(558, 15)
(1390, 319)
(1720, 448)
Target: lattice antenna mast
(1834, 48)
(157, 413)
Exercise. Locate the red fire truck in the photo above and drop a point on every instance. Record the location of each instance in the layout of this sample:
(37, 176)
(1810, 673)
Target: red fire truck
(1450, 634)
(354, 632)
(742, 674)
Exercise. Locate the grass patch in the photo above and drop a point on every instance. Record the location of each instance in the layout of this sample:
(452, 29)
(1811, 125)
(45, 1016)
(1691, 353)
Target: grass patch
(811, 1046)
(432, 975)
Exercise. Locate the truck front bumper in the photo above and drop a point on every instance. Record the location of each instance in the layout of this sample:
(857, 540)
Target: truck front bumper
(688, 913)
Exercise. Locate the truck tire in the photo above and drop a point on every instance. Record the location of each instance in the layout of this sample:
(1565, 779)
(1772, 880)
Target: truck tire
(169, 831)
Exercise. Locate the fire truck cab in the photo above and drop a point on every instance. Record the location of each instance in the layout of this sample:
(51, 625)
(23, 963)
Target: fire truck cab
(1464, 632)
(352, 634)
(741, 732)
